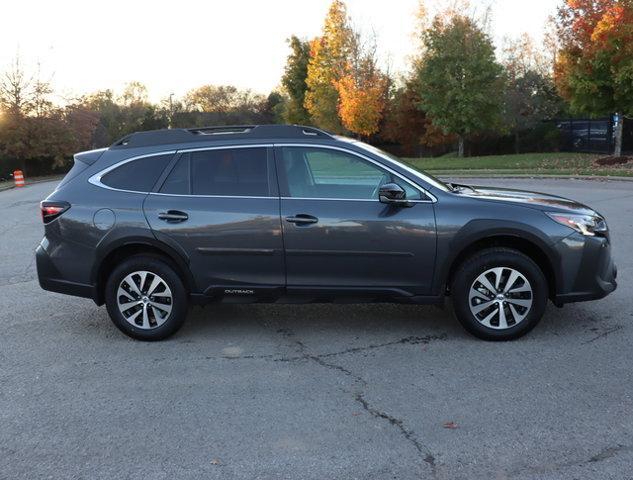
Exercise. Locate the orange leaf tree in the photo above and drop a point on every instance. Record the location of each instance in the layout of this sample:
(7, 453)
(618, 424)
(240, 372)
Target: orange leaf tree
(594, 66)
(362, 94)
(329, 55)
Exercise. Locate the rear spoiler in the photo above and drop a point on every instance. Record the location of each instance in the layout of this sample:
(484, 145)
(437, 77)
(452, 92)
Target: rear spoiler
(82, 161)
(90, 156)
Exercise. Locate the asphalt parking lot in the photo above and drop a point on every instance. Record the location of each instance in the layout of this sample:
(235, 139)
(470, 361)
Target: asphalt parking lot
(317, 391)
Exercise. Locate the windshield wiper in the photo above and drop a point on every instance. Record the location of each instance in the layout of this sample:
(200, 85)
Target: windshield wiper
(459, 187)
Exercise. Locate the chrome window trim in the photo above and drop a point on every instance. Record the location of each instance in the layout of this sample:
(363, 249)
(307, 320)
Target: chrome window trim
(349, 199)
(277, 198)
(432, 197)
(96, 178)
(213, 196)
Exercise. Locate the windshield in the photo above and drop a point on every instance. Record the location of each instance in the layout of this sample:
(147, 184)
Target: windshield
(430, 179)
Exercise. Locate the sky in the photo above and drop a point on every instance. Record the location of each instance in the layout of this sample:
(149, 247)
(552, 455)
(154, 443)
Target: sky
(173, 46)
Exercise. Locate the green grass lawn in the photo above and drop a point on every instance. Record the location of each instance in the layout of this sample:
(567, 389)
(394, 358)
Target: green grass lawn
(563, 163)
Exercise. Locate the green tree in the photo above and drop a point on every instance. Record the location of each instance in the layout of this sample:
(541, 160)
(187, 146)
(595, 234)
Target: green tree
(210, 105)
(273, 109)
(458, 79)
(218, 99)
(134, 94)
(119, 115)
(294, 81)
(329, 57)
(594, 66)
(530, 94)
(104, 106)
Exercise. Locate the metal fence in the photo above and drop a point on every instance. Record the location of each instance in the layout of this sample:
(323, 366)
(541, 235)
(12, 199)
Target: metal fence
(593, 135)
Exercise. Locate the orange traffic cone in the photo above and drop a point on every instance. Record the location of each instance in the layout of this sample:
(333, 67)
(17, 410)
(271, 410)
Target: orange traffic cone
(18, 176)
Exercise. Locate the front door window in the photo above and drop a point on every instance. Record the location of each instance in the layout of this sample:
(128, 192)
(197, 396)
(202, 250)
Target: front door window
(333, 174)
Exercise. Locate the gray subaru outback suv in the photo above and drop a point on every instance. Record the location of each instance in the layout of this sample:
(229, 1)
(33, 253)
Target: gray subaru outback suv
(285, 213)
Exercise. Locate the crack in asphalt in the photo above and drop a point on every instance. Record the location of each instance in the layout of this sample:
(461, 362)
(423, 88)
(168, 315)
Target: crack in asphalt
(609, 452)
(408, 434)
(411, 340)
(604, 333)
(359, 396)
(332, 366)
(318, 358)
(17, 281)
(602, 455)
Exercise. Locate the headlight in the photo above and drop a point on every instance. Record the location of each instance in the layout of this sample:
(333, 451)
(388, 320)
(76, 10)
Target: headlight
(589, 225)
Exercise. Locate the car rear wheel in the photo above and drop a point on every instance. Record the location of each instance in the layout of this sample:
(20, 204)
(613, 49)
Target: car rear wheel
(499, 294)
(145, 298)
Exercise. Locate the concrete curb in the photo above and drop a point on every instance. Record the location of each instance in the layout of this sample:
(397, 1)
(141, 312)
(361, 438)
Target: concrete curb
(603, 178)
(11, 184)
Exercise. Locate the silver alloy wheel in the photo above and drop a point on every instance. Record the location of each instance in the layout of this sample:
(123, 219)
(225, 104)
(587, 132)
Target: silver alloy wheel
(144, 300)
(500, 298)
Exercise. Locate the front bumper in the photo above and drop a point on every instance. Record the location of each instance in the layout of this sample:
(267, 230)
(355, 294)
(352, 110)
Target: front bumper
(51, 279)
(587, 270)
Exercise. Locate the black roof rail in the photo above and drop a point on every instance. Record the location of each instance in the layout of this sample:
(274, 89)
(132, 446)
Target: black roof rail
(204, 134)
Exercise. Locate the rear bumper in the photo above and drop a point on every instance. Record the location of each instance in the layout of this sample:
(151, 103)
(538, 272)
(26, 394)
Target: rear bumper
(50, 279)
(588, 270)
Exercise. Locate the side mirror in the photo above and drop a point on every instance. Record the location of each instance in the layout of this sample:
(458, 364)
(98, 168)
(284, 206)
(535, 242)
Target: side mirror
(393, 194)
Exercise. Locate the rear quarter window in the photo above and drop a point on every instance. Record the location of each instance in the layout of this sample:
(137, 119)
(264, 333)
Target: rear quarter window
(137, 175)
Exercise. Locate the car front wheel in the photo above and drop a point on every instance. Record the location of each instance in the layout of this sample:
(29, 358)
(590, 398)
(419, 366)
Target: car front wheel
(499, 294)
(145, 298)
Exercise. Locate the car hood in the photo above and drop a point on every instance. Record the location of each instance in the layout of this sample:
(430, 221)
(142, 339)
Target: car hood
(538, 200)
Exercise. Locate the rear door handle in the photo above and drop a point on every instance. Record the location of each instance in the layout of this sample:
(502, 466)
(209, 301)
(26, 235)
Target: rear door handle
(173, 216)
(302, 219)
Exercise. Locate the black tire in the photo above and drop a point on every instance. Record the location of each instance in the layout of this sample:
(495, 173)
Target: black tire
(479, 263)
(156, 265)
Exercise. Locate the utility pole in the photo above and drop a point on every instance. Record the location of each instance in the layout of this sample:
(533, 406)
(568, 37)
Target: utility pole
(619, 118)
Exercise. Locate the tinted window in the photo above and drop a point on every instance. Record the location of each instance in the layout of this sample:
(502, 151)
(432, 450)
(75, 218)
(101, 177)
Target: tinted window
(230, 172)
(138, 175)
(178, 180)
(325, 173)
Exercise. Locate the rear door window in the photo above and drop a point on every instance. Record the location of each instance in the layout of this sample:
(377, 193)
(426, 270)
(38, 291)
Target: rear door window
(178, 182)
(137, 175)
(230, 172)
(221, 172)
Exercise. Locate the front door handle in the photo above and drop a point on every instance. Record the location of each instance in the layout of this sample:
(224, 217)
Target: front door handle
(302, 219)
(173, 216)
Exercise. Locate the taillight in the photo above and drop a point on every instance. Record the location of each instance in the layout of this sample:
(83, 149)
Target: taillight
(52, 210)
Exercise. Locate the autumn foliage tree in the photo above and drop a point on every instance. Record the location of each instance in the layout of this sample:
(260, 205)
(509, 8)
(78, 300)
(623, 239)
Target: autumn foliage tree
(329, 58)
(594, 66)
(404, 122)
(33, 130)
(362, 91)
(362, 104)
